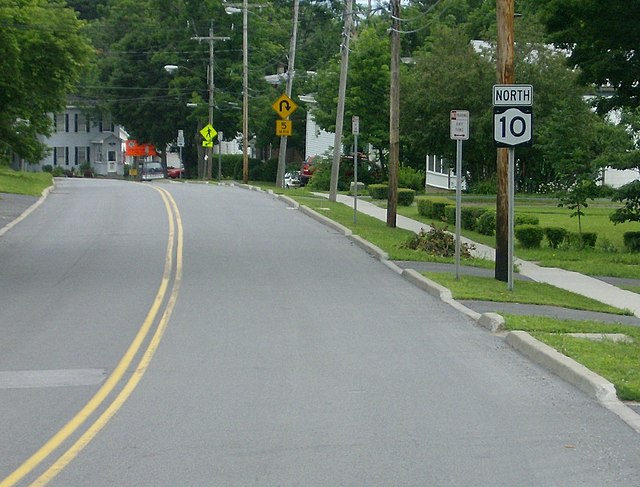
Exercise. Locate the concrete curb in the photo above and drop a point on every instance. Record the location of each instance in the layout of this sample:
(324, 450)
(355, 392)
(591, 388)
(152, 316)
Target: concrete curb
(577, 374)
(29, 210)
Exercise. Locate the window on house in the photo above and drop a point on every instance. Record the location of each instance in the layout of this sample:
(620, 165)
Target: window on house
(81, 123)
(111, 156)
(60, 122)
(82, 155)
(58, 156)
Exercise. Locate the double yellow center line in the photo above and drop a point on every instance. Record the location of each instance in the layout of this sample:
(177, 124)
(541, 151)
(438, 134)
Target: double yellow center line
(162, 307)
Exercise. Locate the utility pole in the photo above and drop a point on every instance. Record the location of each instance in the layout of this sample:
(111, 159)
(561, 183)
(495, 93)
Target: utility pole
(505, 75)
(292, 57)
(394, 115)
(245, 96)
(206, 170)
(342, 89)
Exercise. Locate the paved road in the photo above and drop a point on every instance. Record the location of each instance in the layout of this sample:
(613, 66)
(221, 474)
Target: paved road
(291, 357)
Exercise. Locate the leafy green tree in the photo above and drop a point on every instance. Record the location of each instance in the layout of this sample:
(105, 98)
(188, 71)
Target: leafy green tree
(367, 93)
(42, 53)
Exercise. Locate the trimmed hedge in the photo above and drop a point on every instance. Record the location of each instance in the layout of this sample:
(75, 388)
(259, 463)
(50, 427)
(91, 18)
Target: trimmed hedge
(378, 191)
(406, 196)
(632, 241)
(527, 220)
(555, 236)
(529, 236)
(433, 207)
(578, 241)
(486, 223)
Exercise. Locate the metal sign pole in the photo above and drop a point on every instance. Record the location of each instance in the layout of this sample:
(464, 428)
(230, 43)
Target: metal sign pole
(355, 130)
(458, 203)
(511, 216)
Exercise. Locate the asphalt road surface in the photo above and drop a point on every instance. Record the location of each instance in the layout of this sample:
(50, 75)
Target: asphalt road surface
(174, 334)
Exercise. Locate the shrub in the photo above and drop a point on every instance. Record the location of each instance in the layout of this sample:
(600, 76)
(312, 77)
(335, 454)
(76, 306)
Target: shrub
(555, 236)
(469, 216)
(579, 241)
(527, 220)
(406, 196)
(487, 186)
(47, 168)
(632, 241)
(379, 191)
(450, 214)
(433, 207)
(437, 241)
(529, 236)
(589, 239)
(486, 223)
(57, 172)
(411, 178)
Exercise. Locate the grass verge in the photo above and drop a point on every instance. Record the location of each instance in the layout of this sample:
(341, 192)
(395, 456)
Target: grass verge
(32, 184)
(524, 292)
(619, 363)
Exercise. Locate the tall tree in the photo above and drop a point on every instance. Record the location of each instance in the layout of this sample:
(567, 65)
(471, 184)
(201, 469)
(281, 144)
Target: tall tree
(42, 53)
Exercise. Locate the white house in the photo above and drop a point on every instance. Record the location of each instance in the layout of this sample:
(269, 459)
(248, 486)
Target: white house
(76, 140)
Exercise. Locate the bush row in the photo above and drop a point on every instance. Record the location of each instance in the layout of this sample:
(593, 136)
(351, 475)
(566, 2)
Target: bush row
(381, 192)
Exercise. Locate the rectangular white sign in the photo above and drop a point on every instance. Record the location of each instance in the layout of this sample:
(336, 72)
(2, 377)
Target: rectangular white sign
(459, 126)
(512, 95)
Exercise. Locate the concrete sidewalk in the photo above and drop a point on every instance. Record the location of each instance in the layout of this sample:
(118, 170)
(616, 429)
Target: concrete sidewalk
(570, 281)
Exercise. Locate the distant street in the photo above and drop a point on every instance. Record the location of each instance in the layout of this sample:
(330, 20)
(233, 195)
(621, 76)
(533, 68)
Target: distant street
(182, 334)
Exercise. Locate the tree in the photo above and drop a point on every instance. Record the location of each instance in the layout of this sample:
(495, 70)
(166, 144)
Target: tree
(42, 53)
(603, 39)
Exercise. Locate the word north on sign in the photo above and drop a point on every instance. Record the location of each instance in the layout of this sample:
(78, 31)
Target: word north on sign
(512, 95)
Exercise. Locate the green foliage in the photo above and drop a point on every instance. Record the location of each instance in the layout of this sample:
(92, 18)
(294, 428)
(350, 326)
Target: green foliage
(484, 186)
(378, 191)
(29, 183)
(469, 216)
(406, 196)
(486, 224)
(450, 214)
(529, 236)
(555, 236)
(409, 177)
(433, 207)
(437, 241)
(41, 58)
(629, 194)
(632, 241)
(527, 220)
(575, 197)
(580, 240)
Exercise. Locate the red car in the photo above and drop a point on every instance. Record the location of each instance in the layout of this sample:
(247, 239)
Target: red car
(175, 172)
(306, 171)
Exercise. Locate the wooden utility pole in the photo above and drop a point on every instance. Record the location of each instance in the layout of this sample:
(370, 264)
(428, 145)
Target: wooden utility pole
(394, 115)
(342, 93)
(282, 155)
(505, 75)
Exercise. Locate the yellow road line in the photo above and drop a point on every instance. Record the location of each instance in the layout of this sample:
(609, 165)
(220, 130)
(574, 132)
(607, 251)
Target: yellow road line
(116, 376)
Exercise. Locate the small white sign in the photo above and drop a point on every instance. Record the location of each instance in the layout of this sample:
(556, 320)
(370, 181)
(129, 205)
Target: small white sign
(512, 95)
(180, 138)
(459, 126)
(355, 125)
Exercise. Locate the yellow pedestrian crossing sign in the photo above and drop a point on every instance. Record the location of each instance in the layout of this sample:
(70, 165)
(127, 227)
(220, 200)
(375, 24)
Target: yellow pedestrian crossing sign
(208, 133)
(284, 106)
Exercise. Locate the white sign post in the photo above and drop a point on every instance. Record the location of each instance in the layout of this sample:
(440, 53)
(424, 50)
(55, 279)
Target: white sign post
(459, 131)
(355, 130)
(512, 126)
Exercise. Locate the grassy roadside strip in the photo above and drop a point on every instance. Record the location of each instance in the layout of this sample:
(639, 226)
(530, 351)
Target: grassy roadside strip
(524, 292)
(15, 182)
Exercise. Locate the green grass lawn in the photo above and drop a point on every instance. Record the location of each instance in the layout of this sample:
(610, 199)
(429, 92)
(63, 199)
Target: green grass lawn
(23, 182)
(525, 292)
(619, 363)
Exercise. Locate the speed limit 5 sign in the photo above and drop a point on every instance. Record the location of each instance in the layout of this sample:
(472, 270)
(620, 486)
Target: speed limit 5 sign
(512, 115)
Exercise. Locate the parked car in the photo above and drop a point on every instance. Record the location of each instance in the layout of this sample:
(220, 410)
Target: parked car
(292, 179)
(152, 170)
(306, 170)
(175, 172)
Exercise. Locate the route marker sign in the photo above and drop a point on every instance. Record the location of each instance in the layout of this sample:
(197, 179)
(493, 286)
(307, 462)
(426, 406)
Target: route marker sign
(512, 115)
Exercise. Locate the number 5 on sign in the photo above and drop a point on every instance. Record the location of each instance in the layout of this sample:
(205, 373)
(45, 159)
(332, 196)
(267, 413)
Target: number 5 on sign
(284, 128)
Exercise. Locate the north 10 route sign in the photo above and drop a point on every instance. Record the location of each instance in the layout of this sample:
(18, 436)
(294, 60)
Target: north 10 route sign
(512, 115)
